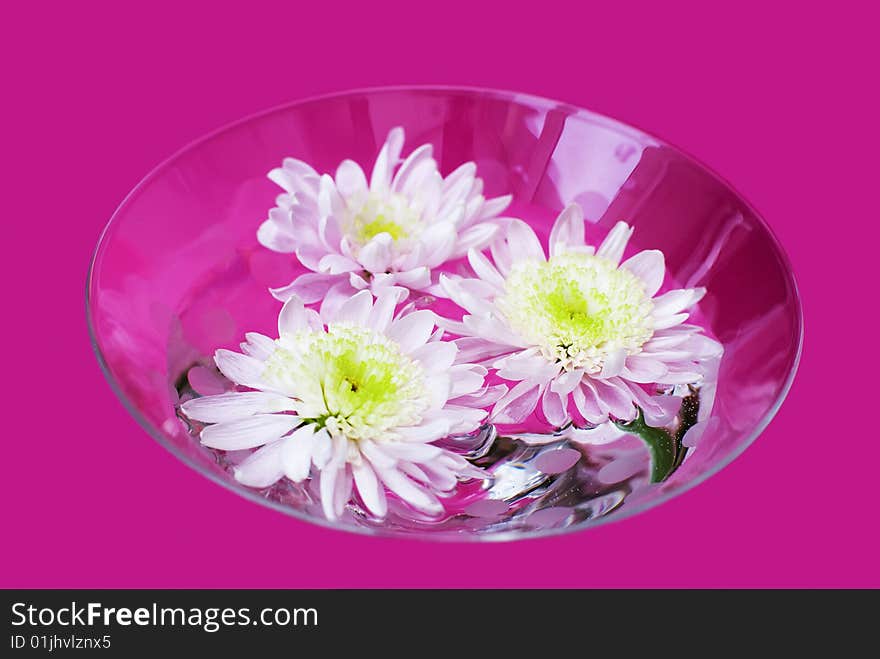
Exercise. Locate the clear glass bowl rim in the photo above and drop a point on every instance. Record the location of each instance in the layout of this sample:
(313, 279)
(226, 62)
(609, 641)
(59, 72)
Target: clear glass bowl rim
(540, 103)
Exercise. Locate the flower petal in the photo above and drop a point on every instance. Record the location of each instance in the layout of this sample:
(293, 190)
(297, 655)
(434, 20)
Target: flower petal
(676, 301)
(342, 491)
(412, 330)
(369, 488)
(665, 322)
(412, 451)
(568, 230)
(386, 161)
(649, 266)
(257, 345)
(522, 242)
(375, 256)
(335, 297)
(475, 349)
(426, 432)
(350, 179)
(615, 242)
(235, 405)
(383, 309)
(484, 269)
(494, 206)
(239, 368)
(567, 382)
(248, 432)
(355, 310)
(643, 368)
(309, 287)
(617, 400)
(613, 365)
(296, 453)
(586, 403)
(554, 407)
(327, 489)
(438, 241)
(477, 236)
(411, 493)
(295, 317)
(261, 468)
(517, 403)
(413, 167)
(270, 235)
(336, 264)
(435, 357)
(466, 379)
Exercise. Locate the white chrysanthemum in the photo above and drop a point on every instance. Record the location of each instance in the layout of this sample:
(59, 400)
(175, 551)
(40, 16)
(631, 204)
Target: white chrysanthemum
(579, 325)
(393, 230)
(356, 397)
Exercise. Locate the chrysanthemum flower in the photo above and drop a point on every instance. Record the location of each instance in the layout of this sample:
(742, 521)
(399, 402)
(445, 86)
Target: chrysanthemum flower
(354, 399)
(579, 326)
(393, 230)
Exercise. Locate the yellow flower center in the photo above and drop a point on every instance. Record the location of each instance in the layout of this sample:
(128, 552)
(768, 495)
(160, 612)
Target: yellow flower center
(376, 213)
(349, 379)
(577, 308)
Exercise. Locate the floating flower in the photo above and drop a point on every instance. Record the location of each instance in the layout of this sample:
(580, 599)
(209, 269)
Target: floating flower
(579, 325)
(393, 230)
(355, 399)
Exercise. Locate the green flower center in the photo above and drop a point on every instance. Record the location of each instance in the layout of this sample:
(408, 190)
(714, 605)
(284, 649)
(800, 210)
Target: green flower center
(349, 379)
(577, 308)
(376, 213)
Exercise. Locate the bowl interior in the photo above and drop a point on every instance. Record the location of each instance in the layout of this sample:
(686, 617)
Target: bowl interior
(179, 273)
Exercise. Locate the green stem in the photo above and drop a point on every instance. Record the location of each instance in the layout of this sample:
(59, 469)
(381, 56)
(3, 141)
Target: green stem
(660, 442)
(667, 451)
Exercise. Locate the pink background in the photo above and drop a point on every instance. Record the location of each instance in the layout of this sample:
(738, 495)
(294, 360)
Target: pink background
(775, 101)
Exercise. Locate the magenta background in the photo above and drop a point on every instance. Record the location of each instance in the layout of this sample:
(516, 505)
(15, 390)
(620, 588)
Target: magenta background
(775, 101)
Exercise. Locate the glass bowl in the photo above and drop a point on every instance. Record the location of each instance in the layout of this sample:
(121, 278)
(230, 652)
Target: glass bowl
(178, 273)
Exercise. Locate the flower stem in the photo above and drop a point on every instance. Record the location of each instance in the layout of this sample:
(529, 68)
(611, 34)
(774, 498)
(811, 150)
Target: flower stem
(667, 451)
(659, 441)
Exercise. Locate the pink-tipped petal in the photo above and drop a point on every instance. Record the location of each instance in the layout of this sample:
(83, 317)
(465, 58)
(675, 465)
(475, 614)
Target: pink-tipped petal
(644, 369)
(517, 403)
(615, 398)
(586, 403)
(554, 408)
